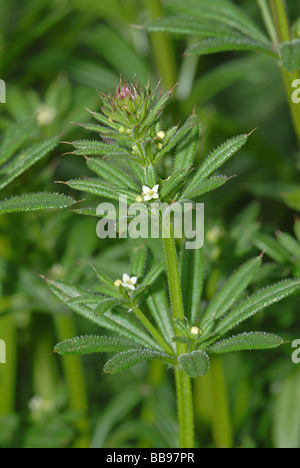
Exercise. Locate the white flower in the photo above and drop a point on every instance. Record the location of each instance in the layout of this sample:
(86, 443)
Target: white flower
(195, 331)
(161, 135)
(149, 193)
(129, 282)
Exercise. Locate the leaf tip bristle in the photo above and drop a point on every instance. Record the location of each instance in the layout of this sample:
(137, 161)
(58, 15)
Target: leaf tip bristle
(254, 130)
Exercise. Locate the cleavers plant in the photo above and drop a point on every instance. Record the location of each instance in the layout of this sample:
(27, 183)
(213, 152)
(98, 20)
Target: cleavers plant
(147, 316)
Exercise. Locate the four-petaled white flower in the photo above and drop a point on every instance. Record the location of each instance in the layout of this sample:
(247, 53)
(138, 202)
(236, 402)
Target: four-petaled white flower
(129, 282)
(150, 194)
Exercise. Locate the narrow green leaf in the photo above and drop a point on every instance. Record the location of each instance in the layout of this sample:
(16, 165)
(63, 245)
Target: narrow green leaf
(182, 339)
(231, 291)
(127, 359)
(221, 11)
(188, 146)
(97, 188)
(246, 341)
(108, 304)
(14, 137)
(97, 148)
(227, 44)
(25, 160)
(150, 176)
(192, 278)
(35, 202)
(289, 243)
(88, 298)
(158, 306)
(271, 247)
(138, 262)
(153, 274)
(156, 109)
(204, 187)
(195, 364)
(111, 173)
(216, 159)
(173, 182)
(92, 344)
(104, 278)
(257, 302)
(186, 25)
(292, 199)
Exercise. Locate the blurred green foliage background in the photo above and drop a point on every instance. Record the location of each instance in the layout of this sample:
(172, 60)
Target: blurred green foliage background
(55, 56)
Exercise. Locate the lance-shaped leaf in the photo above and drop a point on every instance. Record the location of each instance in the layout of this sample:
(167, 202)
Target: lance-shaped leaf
(138, 262)
(221, 11)
(205, 186)
(225, 44)
(289, 243)
(108, 304)
(35, 202)
(25, 160)
(127, 359)
(159, 308)
(173, 182)
(257, 302)
(96, 148)
(192, 278)
(271, 247)
(88, 298)
(193, 26)
(99, 189)
(156, 110)
(216, 159)
(246, 342)
(111, 173)
(153, 274)
(187, 147)
(150, 176)
(103, 277)
(14, 137)
(230, 292)
(195, 364)
(92, 344)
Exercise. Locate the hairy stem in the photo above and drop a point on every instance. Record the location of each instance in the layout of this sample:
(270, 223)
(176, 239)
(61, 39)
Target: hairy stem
(281, 22)
(183, 381)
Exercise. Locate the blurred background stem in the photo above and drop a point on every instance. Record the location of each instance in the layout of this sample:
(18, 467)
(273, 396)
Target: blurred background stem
(75, 381)
(162, 48)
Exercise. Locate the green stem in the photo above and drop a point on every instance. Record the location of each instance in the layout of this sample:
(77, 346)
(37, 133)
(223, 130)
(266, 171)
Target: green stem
(267, 17)
(280, 19)
(183, 381)
(152, 330)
